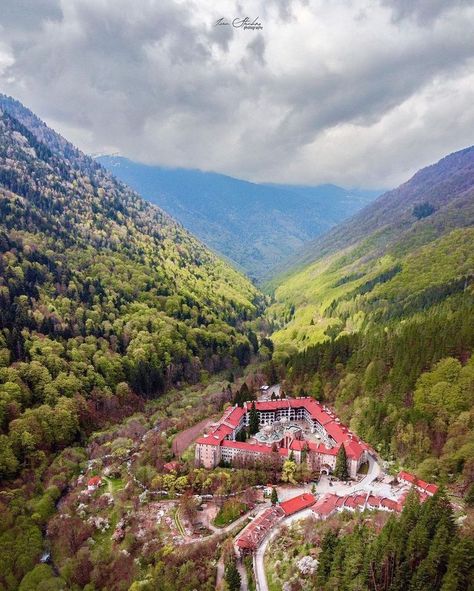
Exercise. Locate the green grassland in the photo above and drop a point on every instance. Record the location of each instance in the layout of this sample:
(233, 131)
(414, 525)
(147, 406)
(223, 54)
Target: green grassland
(327, 291)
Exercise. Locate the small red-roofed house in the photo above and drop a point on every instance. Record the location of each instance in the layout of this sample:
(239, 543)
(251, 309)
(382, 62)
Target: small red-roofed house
(251, 537)
(420, 485)
(325, 506)
(94, 482)
(298, 503)
(171, 466)
(431, 489)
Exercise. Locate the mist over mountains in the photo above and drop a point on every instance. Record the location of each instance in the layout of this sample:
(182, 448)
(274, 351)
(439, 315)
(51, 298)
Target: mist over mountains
(256, 226)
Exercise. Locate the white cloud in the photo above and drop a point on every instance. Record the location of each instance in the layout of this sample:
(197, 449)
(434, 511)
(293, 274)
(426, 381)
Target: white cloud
(357, 93)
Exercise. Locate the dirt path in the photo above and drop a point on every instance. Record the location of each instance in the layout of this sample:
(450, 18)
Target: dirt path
(184, 439)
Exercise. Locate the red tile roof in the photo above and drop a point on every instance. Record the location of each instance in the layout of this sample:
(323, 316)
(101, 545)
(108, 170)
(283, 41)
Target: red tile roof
(246, 543)
(233, 418)
(254, 533)
(326, 505)
(323, 449)
(94, 481)
(373, 501)
(350, 503)
(426, 486)
(253, 447)
(389, 504)
(298, 503)
(353, 449)
(263, 405)
(216, 436)
(340, 433)
(170, 466)
(299, 445)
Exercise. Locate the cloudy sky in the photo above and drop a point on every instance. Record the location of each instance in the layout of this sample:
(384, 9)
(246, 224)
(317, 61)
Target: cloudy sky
(359, 93)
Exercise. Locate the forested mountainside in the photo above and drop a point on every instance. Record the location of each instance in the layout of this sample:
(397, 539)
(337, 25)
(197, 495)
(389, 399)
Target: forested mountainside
(256, 226)
(421, 550)
(382, 323)
(442, 192)
(103, 297)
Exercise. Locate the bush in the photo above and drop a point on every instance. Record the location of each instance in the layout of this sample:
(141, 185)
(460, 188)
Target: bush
(229, 512)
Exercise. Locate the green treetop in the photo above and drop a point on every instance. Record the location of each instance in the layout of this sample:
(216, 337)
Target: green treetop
(341, 464)
(274, 497)
(232, 575)
(253, 420)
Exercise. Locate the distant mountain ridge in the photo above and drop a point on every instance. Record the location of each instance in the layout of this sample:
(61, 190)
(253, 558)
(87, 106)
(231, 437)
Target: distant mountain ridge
(410, 249)
(256, 226)
(447, 185)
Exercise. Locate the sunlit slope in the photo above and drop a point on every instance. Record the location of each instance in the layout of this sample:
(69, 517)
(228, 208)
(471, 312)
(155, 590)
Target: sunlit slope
(384, 266)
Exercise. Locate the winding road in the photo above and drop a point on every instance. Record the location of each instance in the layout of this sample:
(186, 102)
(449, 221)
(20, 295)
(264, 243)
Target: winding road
(323, 487)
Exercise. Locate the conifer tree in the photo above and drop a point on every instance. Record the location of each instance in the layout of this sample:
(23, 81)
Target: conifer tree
(460, 573)
(232, 575)
(274, 497)
(326, 557)
(340, 470)
(253, 420)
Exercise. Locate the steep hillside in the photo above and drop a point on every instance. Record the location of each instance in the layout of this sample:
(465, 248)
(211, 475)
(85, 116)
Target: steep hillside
(381, 324)
(446, 186)
(391, 255)
(101, 293)
(254, 225)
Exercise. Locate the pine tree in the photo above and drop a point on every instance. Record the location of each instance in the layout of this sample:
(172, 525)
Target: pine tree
(274, 497)
(253, 420)
(460, 573)
(326, 557)
(341, 464)
(232, 575)
(469, 498)
(252, 337)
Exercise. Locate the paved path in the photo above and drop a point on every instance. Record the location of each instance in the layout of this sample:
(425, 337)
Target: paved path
(184, 438)
(242, 518)
(323, 487)
(339, 488)
(244, 583)
(220, 572)
(258, 561)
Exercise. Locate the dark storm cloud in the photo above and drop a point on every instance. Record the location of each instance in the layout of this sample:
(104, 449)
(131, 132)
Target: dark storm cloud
(325, 92)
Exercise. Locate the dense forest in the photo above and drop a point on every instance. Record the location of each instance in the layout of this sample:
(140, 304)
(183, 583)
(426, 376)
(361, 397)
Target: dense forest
(105, 302)
(423, 549)
(102, 296)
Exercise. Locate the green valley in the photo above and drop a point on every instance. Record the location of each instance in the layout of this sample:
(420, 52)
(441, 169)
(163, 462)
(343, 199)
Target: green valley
(123, 340)
(105, 303)
(236, 295)
(386, 307)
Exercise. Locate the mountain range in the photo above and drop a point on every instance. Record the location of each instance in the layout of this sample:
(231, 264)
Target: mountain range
(107, 303)
(376, 319)
(256, 226)
(407, 244)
